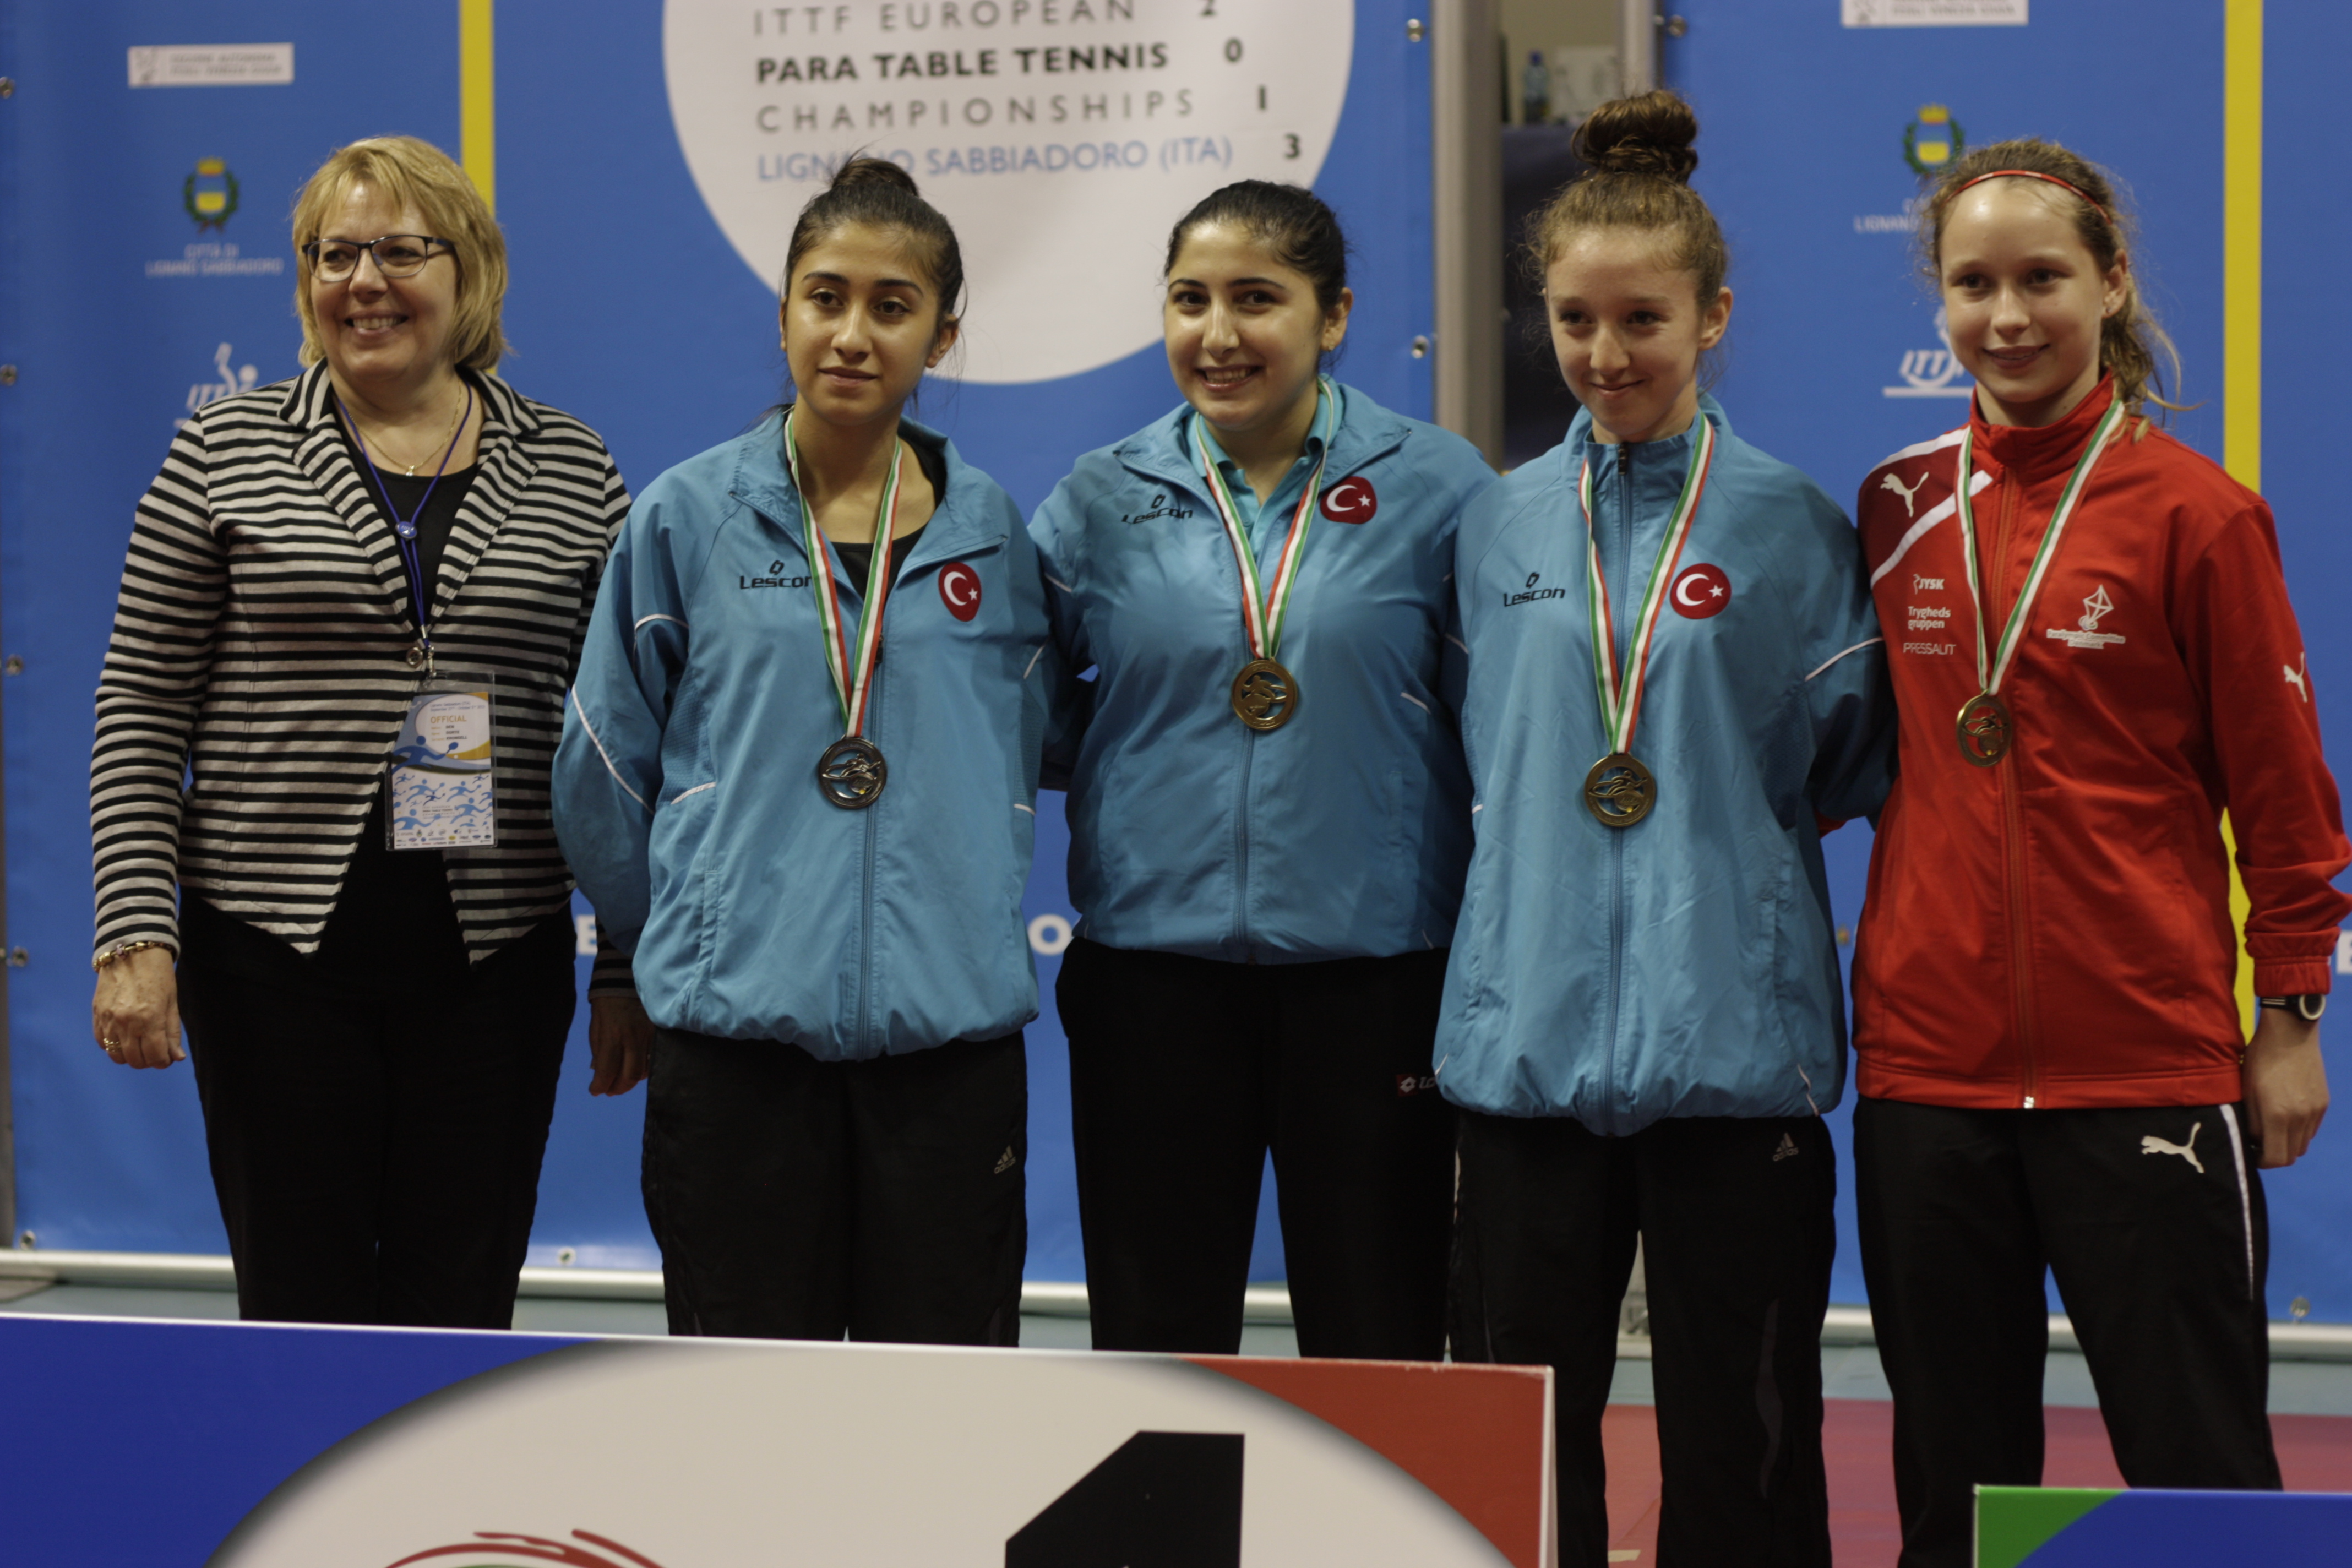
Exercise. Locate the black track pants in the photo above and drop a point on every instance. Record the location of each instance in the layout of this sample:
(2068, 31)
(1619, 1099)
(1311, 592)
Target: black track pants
(807, 1200)
(1735, 1219)
(375, 1144)
(2151, 1220)
(1185, 1072)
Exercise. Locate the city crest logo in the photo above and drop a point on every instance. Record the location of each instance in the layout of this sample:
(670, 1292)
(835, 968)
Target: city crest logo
(209, 194)
(1933, 140)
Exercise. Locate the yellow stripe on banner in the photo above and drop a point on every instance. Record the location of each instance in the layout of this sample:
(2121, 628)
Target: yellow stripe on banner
(2242, 244)
(478, 138)
(2242, 326)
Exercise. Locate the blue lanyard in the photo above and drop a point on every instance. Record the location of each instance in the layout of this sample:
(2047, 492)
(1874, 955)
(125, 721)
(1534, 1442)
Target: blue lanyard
(406, 527)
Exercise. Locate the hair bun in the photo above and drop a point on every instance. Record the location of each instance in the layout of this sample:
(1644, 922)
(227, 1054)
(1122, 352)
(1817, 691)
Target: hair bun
(1649, 134)
(866, 170)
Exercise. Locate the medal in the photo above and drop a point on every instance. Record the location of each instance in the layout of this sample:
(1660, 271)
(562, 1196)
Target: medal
(851, 772)
(1985, 730)
(1619, 792)
(1265, 695)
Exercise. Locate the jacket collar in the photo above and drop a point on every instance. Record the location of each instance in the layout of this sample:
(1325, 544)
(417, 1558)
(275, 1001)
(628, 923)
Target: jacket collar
(2035, 453)
(1579, 447)
(310, 404)
(763, 482)
(1162, 452)
(503, 471)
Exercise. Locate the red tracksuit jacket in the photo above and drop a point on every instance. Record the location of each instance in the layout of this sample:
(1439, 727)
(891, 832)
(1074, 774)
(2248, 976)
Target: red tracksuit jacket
(2055, 930)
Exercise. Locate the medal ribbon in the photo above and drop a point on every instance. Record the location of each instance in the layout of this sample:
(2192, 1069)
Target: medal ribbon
(1620, 695)
(852, 674)
(1991, 672)
(1263, 621)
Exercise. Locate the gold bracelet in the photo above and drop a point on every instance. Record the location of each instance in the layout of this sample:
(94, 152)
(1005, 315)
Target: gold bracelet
(118, 950)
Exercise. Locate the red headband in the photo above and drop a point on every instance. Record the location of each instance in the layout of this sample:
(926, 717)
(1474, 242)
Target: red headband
(2052, 179)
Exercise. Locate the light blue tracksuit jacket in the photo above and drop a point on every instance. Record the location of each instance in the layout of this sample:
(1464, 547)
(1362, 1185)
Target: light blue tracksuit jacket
(1344, 833)
(1684, 966)
(686, 791)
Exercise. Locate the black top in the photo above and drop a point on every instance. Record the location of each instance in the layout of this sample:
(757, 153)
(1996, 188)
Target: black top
(859, 558)
(406, 493)
(393, 920)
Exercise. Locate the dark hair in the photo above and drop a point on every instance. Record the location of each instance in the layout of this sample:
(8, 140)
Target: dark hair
(1291, 221)
(878, 193)
(1638, 158)
(2129, 341)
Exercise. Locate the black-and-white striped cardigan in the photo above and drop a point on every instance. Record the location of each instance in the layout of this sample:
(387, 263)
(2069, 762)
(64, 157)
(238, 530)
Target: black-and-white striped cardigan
(261, 646)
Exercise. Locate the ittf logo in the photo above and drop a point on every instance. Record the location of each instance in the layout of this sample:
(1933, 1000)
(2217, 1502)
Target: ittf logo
(960, 590)
(1352, 500)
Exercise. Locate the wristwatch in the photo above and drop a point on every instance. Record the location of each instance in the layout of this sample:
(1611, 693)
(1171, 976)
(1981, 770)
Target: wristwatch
(2308, 1006)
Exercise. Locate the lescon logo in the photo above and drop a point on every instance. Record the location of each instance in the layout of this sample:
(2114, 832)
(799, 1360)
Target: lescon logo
(1933, 140)
(209, 194)
(496, 1549)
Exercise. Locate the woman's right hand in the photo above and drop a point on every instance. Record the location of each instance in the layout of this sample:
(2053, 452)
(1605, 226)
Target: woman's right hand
(137, 1007)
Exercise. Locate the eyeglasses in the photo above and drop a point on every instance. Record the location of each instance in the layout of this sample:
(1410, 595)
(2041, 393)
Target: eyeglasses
(397, 256)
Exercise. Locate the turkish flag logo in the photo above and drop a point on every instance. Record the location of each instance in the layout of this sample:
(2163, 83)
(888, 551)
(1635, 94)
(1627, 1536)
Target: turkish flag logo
(960, 590)
(1701, 590)
(1351, 500)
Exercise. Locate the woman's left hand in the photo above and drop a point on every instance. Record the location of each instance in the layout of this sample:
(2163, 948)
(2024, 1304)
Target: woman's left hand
(2285, 1085)
(620, 1044)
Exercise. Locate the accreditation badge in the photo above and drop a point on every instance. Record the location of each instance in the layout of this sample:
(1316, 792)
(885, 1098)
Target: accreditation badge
(443, 782)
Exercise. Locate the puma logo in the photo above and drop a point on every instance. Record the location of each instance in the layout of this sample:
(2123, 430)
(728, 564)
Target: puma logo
(1890, 482)
(2152, 1144)
(2300, 679)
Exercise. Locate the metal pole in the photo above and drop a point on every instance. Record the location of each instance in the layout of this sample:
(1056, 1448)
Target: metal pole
(1637, 45)
(1466, 208)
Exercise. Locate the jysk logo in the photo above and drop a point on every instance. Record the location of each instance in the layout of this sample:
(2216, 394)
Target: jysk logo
(776, 579)
(1162, 505)
(1352, 500)
(1530, 593)
(209, 195)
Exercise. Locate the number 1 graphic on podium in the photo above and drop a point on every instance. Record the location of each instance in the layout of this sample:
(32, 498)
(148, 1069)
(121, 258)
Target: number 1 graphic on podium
(1162, 1499)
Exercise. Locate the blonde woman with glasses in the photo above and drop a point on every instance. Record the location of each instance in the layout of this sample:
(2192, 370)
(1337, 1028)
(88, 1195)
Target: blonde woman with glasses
(351, 606)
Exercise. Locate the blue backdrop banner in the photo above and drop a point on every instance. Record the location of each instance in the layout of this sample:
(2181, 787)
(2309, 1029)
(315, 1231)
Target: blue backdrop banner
(646, 163)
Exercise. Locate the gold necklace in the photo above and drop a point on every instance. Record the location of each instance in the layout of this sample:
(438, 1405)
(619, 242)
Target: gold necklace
(449, 437)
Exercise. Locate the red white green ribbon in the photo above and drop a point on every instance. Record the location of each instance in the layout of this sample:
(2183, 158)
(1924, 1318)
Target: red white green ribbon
(852, 674)
(1620, 695)
(1261, 615)
(1991, 672)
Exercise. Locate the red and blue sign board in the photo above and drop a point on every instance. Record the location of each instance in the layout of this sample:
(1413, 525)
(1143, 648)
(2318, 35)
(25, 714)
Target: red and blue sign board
(260, 1446)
